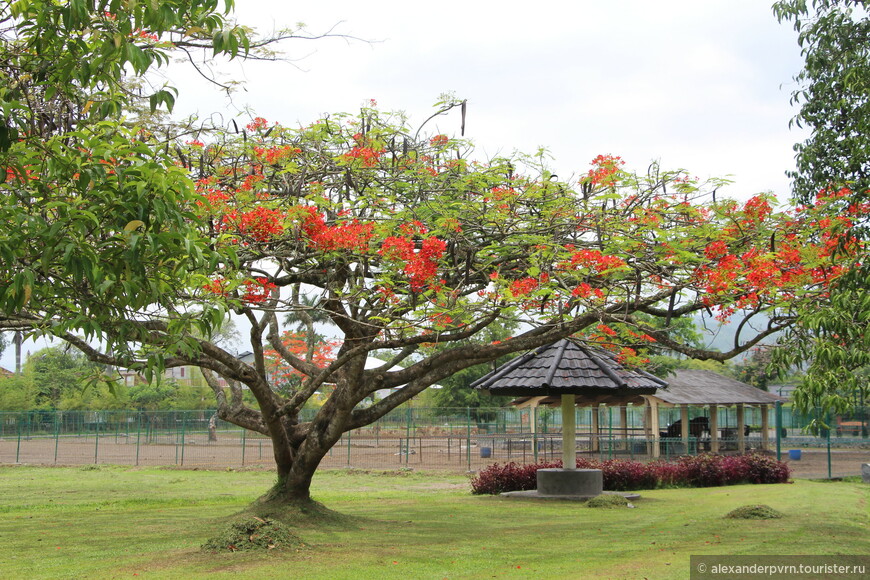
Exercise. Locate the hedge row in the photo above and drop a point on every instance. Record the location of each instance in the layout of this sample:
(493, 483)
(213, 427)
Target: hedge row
(706, 470)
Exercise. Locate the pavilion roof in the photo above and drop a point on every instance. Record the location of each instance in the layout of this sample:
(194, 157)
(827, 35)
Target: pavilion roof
(699, 387)
(564, 368)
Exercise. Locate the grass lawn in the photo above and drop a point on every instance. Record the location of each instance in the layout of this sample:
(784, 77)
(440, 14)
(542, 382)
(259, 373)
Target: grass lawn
(119, 522)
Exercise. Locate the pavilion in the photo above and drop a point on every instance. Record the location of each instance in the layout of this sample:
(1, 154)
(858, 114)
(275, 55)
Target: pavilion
(704, 391)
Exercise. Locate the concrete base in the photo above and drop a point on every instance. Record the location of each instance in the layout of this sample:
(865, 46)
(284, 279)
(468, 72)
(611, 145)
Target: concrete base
(570, 482)
(533, 494)
(865, 472)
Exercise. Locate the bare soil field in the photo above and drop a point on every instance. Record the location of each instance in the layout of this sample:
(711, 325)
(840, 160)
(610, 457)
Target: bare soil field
(419, 453)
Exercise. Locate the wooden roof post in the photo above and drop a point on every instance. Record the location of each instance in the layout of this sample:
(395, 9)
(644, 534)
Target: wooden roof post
(569, 433)
(684, 427)
(714, 428)
(741, 437)
(654, 425)
(596, 428)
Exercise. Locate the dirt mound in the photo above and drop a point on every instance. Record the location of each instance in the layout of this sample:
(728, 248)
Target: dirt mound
(253, 534)
(608, 501)
(754, 512)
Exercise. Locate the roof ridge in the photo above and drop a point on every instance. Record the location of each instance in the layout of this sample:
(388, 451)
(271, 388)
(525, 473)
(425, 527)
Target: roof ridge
(548, 381)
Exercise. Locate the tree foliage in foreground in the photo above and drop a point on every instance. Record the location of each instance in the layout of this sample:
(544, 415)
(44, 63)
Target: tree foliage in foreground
(833, 87)
(94, 212)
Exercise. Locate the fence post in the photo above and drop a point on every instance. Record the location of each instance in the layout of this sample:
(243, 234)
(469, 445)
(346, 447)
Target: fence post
(348, 449)
(183, 429)
(535, 433)
(18, 447)
(468, 438)
(56, 434)
(244, 444)
(96, 442)
(408, 434)
(828, 438)
(138, 434)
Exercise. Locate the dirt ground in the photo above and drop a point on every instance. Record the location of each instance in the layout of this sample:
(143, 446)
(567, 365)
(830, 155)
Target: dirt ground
(435, 453)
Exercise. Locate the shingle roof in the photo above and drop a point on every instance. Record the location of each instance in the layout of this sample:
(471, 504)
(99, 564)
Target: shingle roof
(697, 387)
(565, 368)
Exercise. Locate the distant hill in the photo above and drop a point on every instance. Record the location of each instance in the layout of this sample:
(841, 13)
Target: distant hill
(720, 337)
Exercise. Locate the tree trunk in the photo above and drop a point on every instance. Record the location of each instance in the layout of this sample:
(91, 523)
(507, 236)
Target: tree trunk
(293, 487)
(298, 463)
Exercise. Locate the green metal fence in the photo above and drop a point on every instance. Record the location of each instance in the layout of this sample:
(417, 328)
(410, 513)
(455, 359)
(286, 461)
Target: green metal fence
(409, 436)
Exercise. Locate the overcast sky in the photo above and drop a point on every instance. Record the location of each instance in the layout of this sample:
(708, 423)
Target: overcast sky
(700, 85)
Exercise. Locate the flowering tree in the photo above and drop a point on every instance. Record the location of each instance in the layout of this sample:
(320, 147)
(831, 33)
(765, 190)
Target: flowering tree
(404, 244)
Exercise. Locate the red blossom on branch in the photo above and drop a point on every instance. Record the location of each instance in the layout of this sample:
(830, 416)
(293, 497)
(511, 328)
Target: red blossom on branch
(257, 290)
(256, 124)
(260, 224)
(605, 169)
(420, 266)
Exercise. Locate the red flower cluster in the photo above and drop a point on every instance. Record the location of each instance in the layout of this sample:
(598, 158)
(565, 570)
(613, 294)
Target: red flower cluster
(756, 210)
(629, 356)
(596, 261)
(364, 152)
(716, 250)
(368, 155)
(140, 34)
(604, 329)
(13, 175)
(352, 235)
(217, 286)
(420, 266)
(604, 170)
(256, 291)
(439, 140)
(523, 286)
(584, 290)
(272, 155)
(257, 123)
(250, 181)
(261, 224)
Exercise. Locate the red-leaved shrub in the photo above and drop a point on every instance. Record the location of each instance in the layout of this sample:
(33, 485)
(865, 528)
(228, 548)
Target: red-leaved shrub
(706, 470)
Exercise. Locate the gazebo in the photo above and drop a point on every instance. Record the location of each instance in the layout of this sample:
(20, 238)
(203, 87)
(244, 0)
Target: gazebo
(565, 370)
(687, 388)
